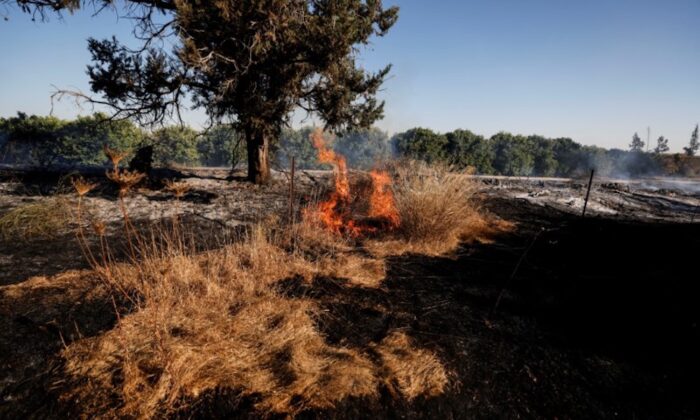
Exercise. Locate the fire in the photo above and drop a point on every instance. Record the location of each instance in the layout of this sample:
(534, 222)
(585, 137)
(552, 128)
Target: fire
(381, 202)
(335, 213)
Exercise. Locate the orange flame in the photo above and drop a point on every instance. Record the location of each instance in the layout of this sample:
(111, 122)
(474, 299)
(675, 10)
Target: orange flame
(335, 213)
(381, 202)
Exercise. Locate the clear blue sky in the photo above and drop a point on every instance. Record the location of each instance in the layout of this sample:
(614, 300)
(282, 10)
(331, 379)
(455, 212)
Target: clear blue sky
(595, 70)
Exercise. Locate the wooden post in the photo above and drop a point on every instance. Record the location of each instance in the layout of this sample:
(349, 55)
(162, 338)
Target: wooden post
(513, 273)
(588, 193)
(291, 194)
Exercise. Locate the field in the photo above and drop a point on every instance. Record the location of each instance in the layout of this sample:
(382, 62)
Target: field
(538, 312)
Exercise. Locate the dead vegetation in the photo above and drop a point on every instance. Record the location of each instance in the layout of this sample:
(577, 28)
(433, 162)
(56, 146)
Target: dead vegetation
(195, 323)
(218, 320)
(438, 208)
(39, 220)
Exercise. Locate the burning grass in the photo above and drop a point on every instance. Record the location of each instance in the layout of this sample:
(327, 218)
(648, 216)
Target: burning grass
(438, 209)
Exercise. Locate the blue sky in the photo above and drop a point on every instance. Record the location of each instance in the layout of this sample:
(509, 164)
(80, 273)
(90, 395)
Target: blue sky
(595, 71)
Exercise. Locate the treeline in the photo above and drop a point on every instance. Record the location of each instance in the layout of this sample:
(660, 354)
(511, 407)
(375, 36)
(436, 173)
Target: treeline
(46, 141)
(518, 155)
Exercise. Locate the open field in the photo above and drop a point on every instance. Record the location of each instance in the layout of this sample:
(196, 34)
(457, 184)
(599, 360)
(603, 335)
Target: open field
(598, 316)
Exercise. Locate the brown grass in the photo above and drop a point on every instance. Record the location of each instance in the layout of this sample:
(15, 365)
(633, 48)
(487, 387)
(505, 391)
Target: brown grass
(43, 219)
(439, 209)
(218, 321)
(200, 323)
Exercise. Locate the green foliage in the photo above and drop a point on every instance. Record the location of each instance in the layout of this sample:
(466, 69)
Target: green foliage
(568, 155)
(85, 137)
(512, 155)
(45, 141)
(363, 148)
(466, 149)
(174, 145)
(297, 143)
(221, 146)
(421, 144)
(542, 150)
(32, 139)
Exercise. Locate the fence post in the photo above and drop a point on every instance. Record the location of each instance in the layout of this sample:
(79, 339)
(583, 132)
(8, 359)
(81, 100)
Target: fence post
(588, 193)
(291, 194)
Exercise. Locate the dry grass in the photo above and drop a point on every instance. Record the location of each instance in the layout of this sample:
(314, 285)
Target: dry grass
(438, 208)
(202, 323)
(43, 219)
(219, 321)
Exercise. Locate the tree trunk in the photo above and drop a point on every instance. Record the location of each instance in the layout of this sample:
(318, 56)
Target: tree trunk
(258, 144)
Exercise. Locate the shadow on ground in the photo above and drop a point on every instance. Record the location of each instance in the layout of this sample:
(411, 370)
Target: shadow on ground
(600, 321)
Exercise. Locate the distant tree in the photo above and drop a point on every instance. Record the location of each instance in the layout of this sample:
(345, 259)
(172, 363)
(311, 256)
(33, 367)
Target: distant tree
(543, 155)
(45, 141)
(694, 143)
(637, 144)
(221, 146)
(466, 149)
(249, 62)
(421, 144)
(363, 148)
(33, 140)
(568, 155)
(174, 145)
(296, 143)
(661, 145)
(513, 155)
(84, 138)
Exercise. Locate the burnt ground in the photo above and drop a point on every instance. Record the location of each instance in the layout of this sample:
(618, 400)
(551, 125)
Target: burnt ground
(599, 321)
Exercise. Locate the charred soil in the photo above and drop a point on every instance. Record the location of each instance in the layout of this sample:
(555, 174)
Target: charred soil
(599, 321)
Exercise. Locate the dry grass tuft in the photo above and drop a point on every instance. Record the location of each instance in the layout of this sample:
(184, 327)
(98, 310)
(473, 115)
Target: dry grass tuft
(43, 219)
(415, 372)
(438, 208)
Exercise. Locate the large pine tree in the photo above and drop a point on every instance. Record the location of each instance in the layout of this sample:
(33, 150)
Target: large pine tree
(248, 63)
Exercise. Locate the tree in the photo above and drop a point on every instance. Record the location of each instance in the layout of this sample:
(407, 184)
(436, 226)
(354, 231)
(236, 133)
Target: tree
(466, 149)
(84, 138)
(296, 143)
(543, 155)
(174, 145)
(512, 154)
(694, 143)
(363, 148)
(221, 146)
(421, 144)
(33, 139)
(661, 145)
(250, 63)
(637, 144)
(568, 155)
